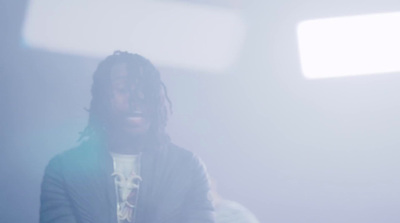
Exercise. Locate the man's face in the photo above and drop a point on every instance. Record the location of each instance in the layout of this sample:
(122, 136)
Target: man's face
(130, 112)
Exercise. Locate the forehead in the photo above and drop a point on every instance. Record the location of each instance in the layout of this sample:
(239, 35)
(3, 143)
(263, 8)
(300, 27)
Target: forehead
(119, 71)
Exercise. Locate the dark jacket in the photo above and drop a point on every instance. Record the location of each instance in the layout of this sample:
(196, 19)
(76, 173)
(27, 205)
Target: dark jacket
(77, 187)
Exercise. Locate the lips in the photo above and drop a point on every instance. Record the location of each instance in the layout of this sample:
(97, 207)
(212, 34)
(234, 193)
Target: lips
(136, 114)
(136, 118)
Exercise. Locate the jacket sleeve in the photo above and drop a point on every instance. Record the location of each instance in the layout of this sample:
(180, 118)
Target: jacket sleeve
(55, 206)
(199, 207)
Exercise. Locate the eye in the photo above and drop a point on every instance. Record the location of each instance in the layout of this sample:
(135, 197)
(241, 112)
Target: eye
(121, 89)
(140, 95)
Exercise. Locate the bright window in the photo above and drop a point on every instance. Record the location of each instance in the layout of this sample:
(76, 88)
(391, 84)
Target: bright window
(354, 45)
(174, 34)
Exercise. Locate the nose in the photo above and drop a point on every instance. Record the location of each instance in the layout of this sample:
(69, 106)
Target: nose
(136, 97)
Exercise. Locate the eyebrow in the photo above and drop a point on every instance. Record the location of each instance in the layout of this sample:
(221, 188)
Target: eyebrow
(119, 77)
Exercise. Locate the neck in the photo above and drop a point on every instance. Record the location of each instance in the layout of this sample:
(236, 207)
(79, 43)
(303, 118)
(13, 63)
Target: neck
(126, 144)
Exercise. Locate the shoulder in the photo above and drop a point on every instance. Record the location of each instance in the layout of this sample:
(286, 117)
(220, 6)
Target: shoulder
(75, 152)
(175, 150)
(183, 156)
(86, 152)
(187, 165)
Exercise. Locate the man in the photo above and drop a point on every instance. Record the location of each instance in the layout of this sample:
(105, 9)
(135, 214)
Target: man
(126, 170)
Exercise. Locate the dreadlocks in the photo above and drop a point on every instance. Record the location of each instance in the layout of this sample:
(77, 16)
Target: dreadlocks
(147, 76)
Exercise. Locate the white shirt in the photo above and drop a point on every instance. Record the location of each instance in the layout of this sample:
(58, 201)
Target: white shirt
(127, 181)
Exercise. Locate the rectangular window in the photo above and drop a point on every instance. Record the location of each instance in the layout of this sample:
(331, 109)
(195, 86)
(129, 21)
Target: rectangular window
(174, 34)
(353, 45)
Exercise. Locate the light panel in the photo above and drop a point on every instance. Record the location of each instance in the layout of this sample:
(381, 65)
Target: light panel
(173, 34)
(354, 45)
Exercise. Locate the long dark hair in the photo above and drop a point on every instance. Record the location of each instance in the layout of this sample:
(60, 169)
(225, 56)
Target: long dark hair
(149, 78)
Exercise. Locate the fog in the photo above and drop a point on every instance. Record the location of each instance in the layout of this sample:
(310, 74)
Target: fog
(288, 148)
